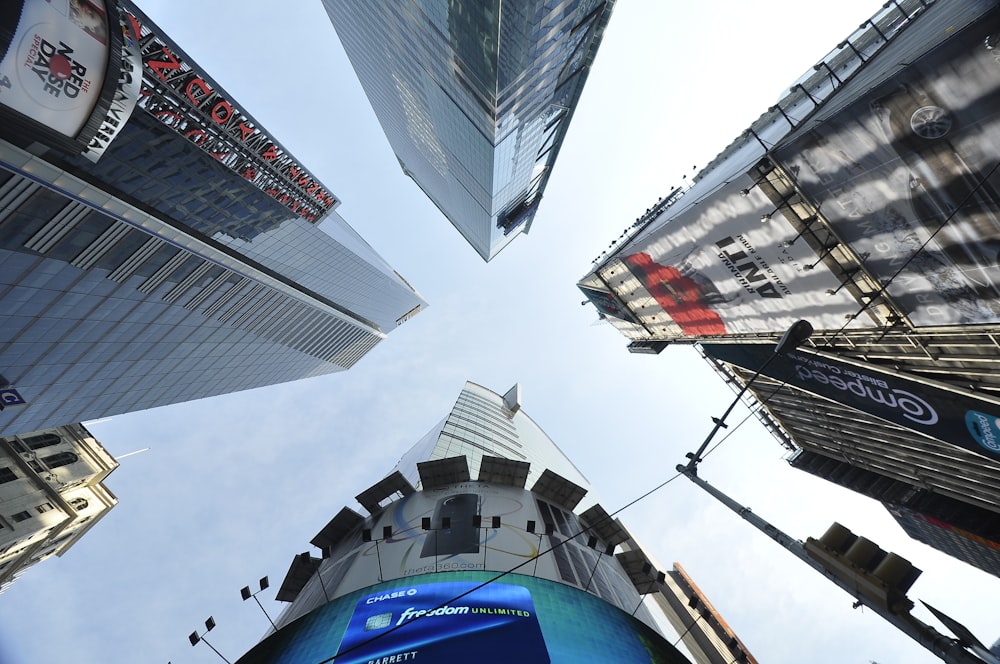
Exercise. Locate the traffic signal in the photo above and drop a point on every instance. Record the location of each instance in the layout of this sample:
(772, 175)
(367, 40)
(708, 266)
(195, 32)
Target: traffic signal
(879, 576)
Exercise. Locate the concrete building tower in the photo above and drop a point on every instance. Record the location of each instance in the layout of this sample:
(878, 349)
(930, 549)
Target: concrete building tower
(484, 539)
(866, 202)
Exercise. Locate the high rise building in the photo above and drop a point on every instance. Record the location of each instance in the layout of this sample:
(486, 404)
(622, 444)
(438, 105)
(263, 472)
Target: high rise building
(704, 632)
(157, 244)
(474, 97)
(483, 539)
(865, 202)
(51, 494)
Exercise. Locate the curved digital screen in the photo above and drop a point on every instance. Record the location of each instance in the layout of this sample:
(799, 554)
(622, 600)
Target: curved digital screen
(55, 67)
(456, 617)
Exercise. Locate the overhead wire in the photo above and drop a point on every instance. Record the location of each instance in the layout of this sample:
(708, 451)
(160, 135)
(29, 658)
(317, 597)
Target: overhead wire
(761, 403)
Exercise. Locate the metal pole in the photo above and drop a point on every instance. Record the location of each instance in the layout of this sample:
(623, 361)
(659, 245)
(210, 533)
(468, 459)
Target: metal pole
(948, 649)
(720, 422)
(265, 612)
(205, 641)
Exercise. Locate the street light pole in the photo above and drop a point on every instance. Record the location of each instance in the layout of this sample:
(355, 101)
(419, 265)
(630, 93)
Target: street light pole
(246, 594)
(195, 638)
(794, 337)
(949, 650)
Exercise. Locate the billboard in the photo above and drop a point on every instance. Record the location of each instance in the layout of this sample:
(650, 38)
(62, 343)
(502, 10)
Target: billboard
(126, 92)
(716, 269)
(951, 417)
(55, 66)
(906, 174)
(464, 617)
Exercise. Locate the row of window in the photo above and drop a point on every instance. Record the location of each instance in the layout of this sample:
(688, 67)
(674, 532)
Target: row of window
(25, 515)
(79, 504)
(50, 462)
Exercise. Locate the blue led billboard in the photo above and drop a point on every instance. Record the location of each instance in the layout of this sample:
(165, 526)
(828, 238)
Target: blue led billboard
(455, 617)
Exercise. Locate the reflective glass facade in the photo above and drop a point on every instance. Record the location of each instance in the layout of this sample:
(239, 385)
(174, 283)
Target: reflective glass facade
(162, 272)
(479, 425)
(474, 97)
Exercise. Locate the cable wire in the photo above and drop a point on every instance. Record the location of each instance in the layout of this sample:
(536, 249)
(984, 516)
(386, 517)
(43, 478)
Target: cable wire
(761, 403)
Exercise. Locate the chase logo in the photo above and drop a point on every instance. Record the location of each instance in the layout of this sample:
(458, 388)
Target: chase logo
(984, 428)
(381, 621)
(10, 397)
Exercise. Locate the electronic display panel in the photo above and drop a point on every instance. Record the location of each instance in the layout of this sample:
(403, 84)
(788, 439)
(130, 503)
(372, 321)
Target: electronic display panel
(54, 69)
(715, 269)
(514, 619)
(906, 175)
(445, 622)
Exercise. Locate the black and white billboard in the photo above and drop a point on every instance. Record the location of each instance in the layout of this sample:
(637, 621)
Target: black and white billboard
(906, 174)
(715, 269)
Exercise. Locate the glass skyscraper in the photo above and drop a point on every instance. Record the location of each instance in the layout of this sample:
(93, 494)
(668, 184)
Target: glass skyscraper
(156, 244)
(474, 97)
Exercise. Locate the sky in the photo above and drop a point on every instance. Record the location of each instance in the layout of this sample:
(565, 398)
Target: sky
(234, 486)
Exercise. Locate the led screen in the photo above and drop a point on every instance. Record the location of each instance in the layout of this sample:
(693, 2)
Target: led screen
(456, 617)
(54, 69)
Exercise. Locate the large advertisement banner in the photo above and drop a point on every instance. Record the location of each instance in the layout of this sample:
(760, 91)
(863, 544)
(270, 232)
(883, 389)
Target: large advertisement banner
(948, 416)
(716, 269)
(54, 69)
(907, 175)
(446, 622)
(466, 617)
(126, 94)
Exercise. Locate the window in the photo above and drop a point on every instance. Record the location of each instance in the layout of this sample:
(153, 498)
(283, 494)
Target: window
(20, 516)
(79, 504)
(60, 459)
(7, 475)
(44, 440)
(44, 507)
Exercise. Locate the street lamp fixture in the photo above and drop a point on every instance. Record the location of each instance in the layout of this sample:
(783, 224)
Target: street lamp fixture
(246, 594)
(196, 638)
(794, 337)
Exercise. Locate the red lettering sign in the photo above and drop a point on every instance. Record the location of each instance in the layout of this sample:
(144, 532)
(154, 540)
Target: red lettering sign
(222, 111)
(196, 136)
(161, 66)
(201, 85)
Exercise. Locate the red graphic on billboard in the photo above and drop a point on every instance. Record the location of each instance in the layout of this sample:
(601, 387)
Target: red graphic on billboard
(682, 296)
(54, 68)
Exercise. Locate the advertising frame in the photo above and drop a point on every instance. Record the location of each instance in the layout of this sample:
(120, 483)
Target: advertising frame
(572, 624)
(918, 405)
(906, 176)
